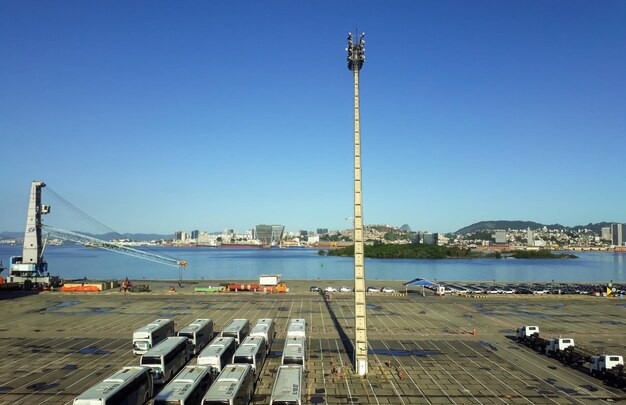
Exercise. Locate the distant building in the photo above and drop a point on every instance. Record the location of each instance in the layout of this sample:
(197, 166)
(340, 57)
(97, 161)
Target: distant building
(530, 237)
(206, 239)
(194, 234)
(617, 232)
(430, 238)
(500, 237)
(270, 234)
(426, 238)
(180, 236)
(322, 231)
(405, 228)
(606, 233)
(304, 233)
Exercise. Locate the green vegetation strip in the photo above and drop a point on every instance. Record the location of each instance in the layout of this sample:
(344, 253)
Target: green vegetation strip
(413, 251)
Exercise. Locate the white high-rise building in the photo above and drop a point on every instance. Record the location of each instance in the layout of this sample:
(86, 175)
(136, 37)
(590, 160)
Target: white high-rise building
(500, 236)
(530, 237)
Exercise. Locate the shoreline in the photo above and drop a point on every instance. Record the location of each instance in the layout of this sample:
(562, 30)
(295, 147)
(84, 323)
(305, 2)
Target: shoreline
(171, 286)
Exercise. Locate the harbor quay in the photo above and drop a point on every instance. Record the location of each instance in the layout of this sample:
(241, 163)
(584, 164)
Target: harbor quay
(423, 349)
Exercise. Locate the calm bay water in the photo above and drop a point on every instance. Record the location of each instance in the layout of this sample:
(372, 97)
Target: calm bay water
(213, 263)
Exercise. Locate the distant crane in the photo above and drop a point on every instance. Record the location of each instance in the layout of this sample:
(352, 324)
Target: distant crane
(31, 269)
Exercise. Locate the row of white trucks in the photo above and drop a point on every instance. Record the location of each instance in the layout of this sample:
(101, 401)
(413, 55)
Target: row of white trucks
(227, 368)
(607, 367)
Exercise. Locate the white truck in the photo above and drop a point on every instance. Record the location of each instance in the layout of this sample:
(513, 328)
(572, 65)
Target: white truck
(599, 364)
(525, 332)
(556, 345)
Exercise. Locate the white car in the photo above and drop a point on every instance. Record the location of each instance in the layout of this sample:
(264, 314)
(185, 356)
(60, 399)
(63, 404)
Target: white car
(330, 289)
(372, 289)
(387, 290)
(345, 289)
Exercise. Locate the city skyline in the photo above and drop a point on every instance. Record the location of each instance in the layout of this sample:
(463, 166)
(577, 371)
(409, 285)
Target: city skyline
(152, 116)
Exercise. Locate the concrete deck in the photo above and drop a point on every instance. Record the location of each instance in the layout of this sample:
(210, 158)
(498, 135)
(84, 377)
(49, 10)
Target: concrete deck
(53, 346)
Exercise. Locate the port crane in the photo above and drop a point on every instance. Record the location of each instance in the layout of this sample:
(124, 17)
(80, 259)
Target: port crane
(31, 269)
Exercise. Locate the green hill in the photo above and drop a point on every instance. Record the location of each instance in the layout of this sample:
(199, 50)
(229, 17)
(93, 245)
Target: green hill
(506, 224)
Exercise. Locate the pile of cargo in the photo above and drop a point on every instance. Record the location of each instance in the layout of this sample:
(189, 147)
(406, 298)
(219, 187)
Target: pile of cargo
(608, 368)
(268, 283)
(87, 287)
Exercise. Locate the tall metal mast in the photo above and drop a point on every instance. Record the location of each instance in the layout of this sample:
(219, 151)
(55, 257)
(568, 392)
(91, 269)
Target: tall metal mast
(356, 57)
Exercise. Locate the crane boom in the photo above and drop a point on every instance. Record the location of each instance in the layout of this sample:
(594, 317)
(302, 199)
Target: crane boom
(114, 247)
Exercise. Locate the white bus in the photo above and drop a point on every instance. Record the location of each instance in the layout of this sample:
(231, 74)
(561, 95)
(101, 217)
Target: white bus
(294, 351)
(130, 385)
(287, 386)
(251, 351)
(218, 354)
(264, 328)
(234, 386)
(296, 328)
(200, 332)
(237, 328)
(150, 335)
(187, 388)
(167, 358)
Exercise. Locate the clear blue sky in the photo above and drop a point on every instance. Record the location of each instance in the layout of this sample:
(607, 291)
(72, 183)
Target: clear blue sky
(154, 116)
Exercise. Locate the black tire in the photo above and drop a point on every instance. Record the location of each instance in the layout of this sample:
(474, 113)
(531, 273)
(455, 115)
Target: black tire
(28, 285)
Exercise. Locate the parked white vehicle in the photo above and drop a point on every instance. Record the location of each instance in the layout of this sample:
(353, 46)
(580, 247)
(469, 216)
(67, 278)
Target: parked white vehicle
(599, 364)
(150, 335)
(558, 344)
(345, 289)
(167, 358)
(330, 289)
(372, 289)
(526, 331)
(130, 385)
(388, 290)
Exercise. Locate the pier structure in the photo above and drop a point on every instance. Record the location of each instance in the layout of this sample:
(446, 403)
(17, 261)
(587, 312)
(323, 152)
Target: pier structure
(356, 57)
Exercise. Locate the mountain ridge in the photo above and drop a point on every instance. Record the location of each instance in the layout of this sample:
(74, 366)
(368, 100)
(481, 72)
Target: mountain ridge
(519, 224)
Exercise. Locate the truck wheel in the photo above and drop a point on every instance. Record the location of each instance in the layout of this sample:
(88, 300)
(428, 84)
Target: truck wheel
(28, 285)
